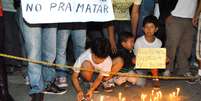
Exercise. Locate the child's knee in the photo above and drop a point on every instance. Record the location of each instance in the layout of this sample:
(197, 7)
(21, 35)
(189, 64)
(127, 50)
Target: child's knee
(117, 64)
(87, 71)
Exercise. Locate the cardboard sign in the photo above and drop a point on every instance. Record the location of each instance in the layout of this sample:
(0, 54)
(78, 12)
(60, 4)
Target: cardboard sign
(151, 58)
(55, 11)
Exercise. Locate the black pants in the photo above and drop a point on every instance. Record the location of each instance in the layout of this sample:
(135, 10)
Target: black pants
(4, 94)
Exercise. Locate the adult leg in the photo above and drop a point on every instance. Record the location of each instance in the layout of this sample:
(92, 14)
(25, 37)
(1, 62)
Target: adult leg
(185, 47)
(62, 42)
(4, 93)
(49, 51)
(174, 32)
(79, 41)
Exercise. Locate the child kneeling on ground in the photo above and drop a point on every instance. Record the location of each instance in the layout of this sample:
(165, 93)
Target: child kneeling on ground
(95, 58)
(126, 55)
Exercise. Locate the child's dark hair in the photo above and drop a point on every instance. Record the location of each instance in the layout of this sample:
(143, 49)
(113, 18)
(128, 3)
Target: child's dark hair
(100, 47)
(150, 19)
(124, 36)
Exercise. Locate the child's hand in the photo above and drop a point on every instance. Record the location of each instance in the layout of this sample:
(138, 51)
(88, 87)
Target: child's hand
(89, 95)
(80, 96)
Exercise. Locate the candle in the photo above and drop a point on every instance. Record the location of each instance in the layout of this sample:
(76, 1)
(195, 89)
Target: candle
(178, 90)
(143, 97)
(155, 98)
(160, 94)
(173, 94)
(152, 92)
(123, 99)
(170, 97)
(101, 98)
(120, 95)
(150, 97)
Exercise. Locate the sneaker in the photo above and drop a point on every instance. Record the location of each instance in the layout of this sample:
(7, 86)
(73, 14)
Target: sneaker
(166, 73)
(54, 89)
(191, 81)
(156, 84)
(61, 82)
(108, 86)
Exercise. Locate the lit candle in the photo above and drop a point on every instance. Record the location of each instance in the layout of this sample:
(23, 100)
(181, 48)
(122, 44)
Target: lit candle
(155, 98)
(143, 96)
(173, 94)
(120, 95)
(178, 90)
(123, 99)
(160, 94)
(170, 97)
(150, 97)
(101, 98)
(152, 92)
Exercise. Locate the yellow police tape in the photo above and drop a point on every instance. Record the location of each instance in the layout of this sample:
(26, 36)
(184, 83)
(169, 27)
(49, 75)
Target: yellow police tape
(110, 73)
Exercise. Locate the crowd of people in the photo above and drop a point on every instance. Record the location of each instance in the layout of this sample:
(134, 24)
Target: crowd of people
(108, 47)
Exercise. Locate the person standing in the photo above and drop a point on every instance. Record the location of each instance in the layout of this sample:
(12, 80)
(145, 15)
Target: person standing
(178, 16)
(4, 93)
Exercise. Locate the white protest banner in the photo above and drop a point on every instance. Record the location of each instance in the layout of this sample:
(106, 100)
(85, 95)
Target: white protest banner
(151, 58)
(56, 11)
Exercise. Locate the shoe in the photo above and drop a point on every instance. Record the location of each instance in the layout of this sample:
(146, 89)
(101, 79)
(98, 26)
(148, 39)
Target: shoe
(61, 82)
(166, 73)
(156, 84)
(37, 97)
(191, 81)
(54, 89)
(108, 86)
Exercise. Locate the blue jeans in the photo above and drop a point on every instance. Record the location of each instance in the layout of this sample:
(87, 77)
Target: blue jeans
(146, 8)
(40, 44)
(78, 37)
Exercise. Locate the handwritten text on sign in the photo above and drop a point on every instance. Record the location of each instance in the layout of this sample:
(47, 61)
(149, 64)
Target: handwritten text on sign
(55, 11)
(151, 58)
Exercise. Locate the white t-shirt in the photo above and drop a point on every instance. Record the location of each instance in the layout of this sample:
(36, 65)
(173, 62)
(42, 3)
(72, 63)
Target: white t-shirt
(141, 42)
(185, 8)
(105, 66)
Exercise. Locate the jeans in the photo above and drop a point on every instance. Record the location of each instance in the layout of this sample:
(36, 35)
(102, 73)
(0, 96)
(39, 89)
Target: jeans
(40, 44)
(146, 8)
(78, 37)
